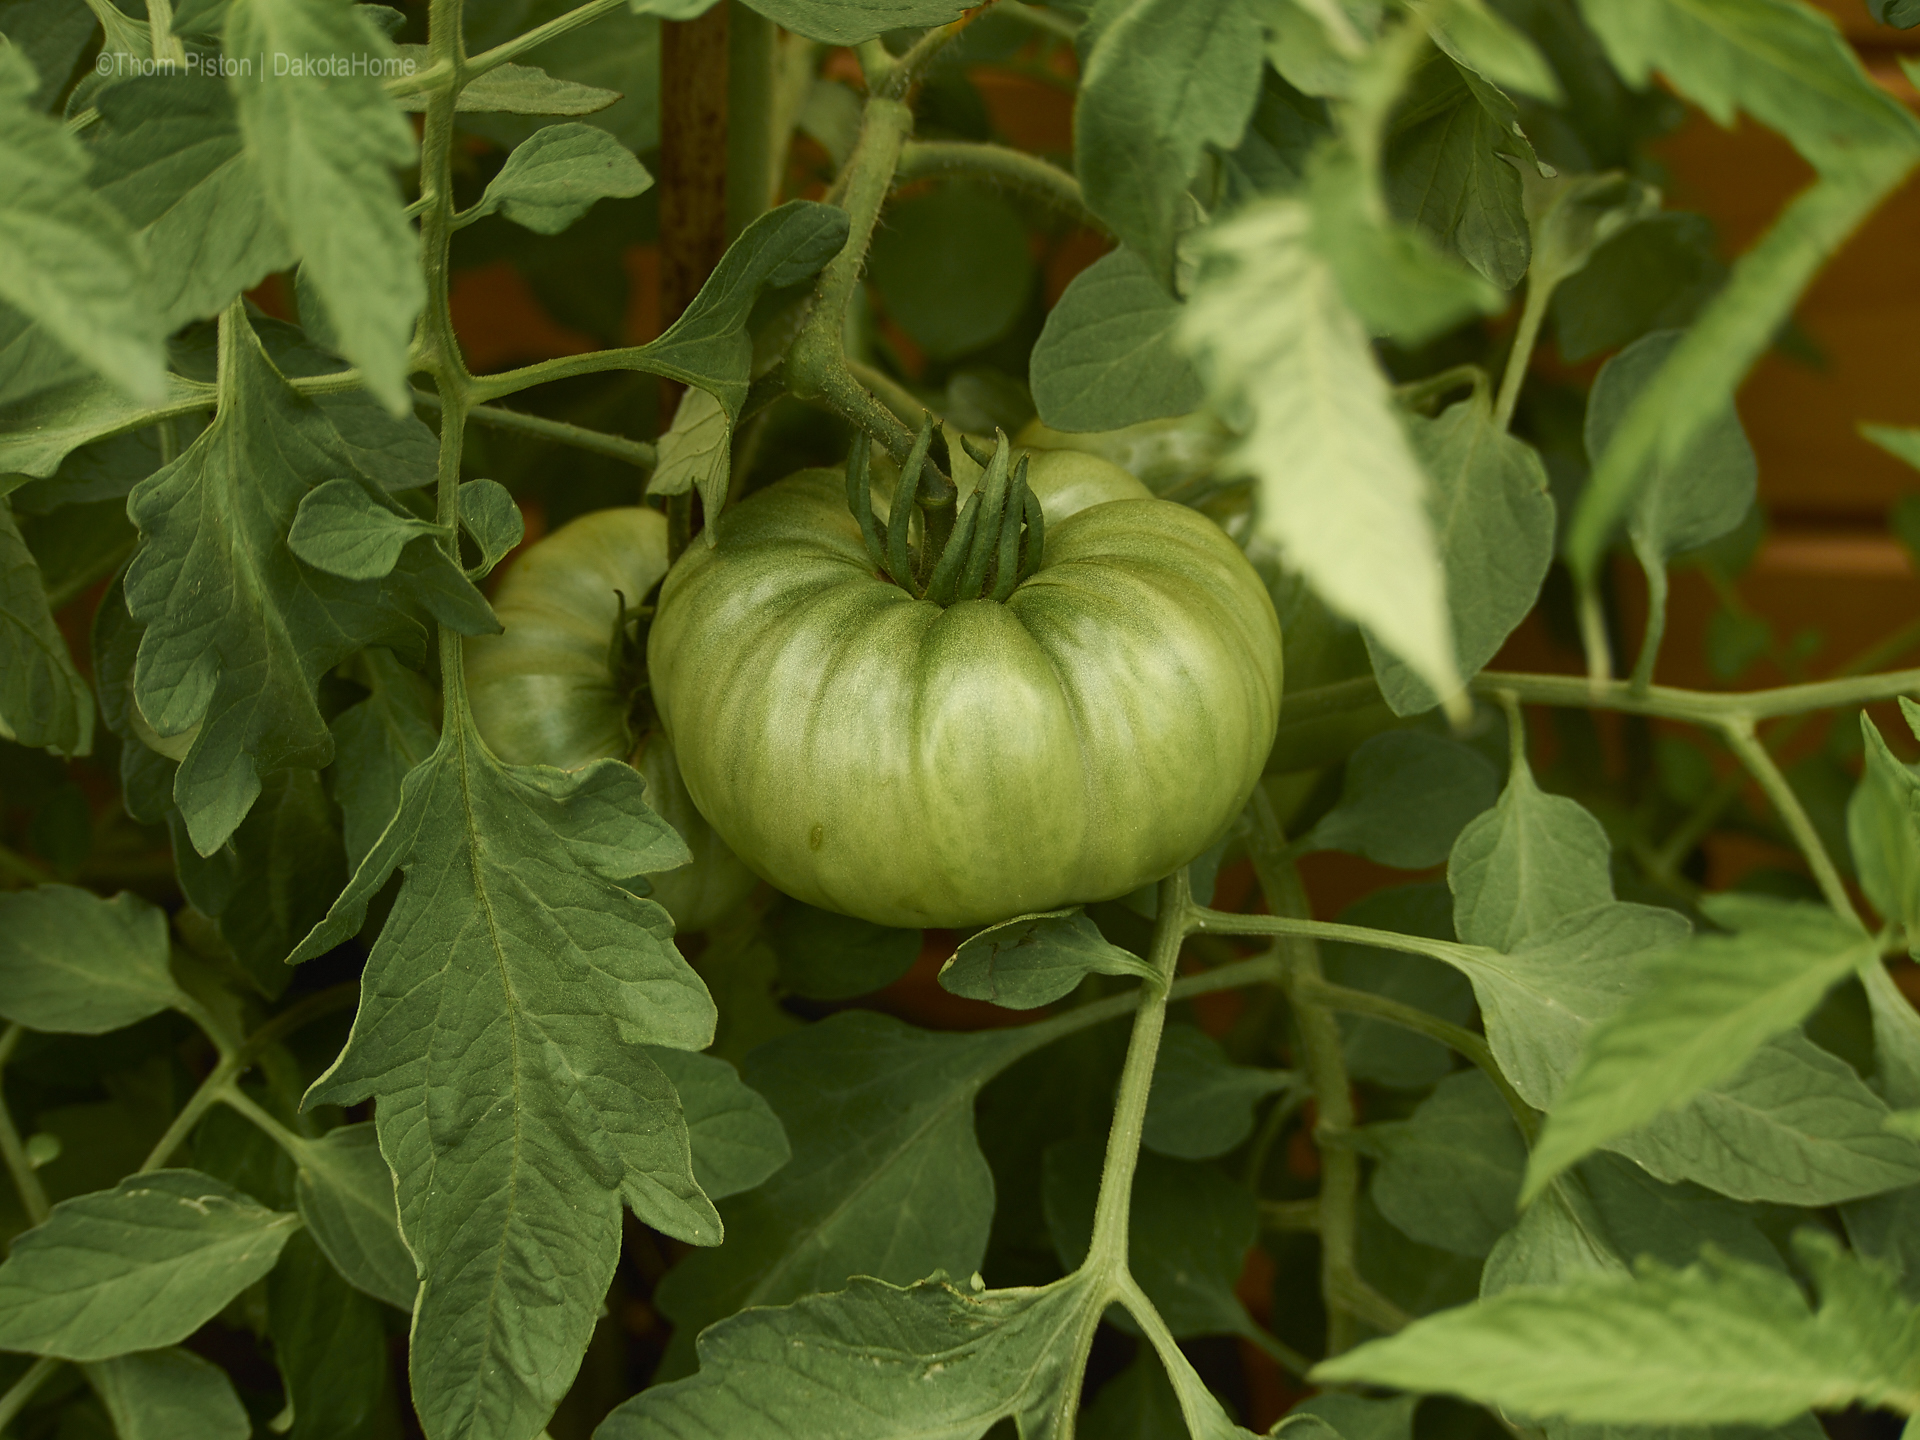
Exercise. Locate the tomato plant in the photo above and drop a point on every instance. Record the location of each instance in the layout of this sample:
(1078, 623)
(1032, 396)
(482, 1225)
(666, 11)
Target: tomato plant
(875, 718)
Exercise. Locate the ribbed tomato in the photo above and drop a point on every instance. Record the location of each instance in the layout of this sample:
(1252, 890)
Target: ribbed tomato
(916, 765)
(550, 689)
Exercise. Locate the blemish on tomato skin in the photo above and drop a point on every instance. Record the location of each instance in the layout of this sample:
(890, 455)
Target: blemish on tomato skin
(816, 837)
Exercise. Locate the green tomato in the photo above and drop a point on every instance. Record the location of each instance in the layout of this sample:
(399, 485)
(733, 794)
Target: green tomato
(877, 755)
(548, 689)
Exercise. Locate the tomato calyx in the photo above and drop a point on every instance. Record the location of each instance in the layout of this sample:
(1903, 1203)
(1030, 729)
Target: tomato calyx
(996, 541)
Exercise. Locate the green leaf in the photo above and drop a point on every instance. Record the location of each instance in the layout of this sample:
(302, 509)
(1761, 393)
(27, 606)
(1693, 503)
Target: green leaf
(1886, 1228)
(326, 150)
(1446, 168)
(72, 266)
(696, 451)
(1573, 216)
(40, 430)
(1139, 1403)
(827, 956)
(340, 528)
(886, 1177)
(1784, 64)
(1107, 356)
(1390, 273)
(491, 520)
(53, 36)
(1682, 504)
(514, 964)
(1482, 39)
(286, 867)
(512, 90)
(80, 965)
(1166, 79)
(1188, 1232)
(238, 633)
(169, 1394)
(1654, 275)
(737, 1139)
(708, 345)
(1531, 860)
(1494, 520)
(330, 1346)
(1883, 832)
(1711, 1005)
(1285, 129)
(875, 1362)
(1338, 488)
(848, 22)
(44, 702)
(1406, 796)
(1722, 1341)
(375, 744)
(953, 267)
(139, 1266)
(1449, 1176)
(1201, 1103)
(345, 1194)
(170, 159)
(1033, 960)
(1378, 1050)
(554, 177)
(1355, 1417)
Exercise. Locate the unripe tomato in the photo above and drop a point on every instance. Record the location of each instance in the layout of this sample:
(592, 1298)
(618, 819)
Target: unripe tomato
(918, 766)
(548, 690)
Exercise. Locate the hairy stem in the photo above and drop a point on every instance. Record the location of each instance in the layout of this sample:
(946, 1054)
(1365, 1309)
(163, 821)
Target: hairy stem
(638, 453)
(999, 165)
(1408, 1017)
(23, 1390)
(240, 1103)
(1656, 630)
(1525, 335)
(33, 1195)
(1745, 744)
(1108, 1251)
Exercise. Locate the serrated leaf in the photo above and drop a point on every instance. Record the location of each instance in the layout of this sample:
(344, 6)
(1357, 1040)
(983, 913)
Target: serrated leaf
(1572, 216)
(169, 157)
(554, 177)
(515, 961)
(1107, 356)
(1201, 1103)
(1711, 1005)
(238, 632)
(79, 965)
(1405, 798)
(1449, 1175)
(139, 1266)
(345, 1194)
(886, 1177)
(953, 267)
(696, 451)
(330, 1347)
(1784, 64)
(848, 22)
(1355, 1417)
(72, 265)
(491, 519)
(828, 956)
(169, 1394)
(1033, 960)
(1722, 1341)
(1340, 491)
(875, 1362)
(44, 702)
(512, 90)
(1654, 275)
(1494, 520)
(737, 1139)
(326, 150)
(375, 744)
(1188, 1232)
(1166, 79)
